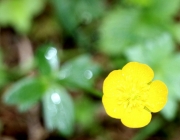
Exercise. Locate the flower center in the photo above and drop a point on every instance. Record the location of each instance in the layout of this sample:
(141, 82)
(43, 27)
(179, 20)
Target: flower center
(134, 96)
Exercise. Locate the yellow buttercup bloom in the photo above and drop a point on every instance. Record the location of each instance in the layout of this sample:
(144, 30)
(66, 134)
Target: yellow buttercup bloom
(131, 95)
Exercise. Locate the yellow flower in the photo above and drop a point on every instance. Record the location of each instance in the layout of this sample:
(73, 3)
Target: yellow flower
(131, 95)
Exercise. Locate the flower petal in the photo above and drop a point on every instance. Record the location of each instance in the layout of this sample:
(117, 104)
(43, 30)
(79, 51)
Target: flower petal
(112, 108)
(137, 72)
(112, 82)
(136, 118)
(157, 96)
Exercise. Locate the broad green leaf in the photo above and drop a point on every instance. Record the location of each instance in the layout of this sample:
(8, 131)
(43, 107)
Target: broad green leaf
(24, 93)
(58, 110)
(19, 13)
(115, 30)
(79, 72)
(150, 51)
(47, 59)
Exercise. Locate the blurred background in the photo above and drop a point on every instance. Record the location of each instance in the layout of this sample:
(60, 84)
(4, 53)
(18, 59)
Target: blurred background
(55, 54)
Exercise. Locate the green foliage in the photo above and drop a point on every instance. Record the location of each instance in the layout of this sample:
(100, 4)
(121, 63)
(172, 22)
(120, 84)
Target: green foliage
(85, 113)
(79, 72)
(57, 103)
(19, 13)
(171, 76)
(72, 13)
(125, 27)
(165, 9)
(151, 51)
(58, 110)
(25, 93)
(47, 59)
(115, 32)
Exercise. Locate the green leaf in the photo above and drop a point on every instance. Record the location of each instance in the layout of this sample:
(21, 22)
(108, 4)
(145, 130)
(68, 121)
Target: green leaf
(72, 13)
(89, 10)
(24, 93)
(79, 72)
(58, 110)
(115, 30)
(47, 59)
(165, 9)
(169, 112)
(171, 75)
(122, 28)
(151, 50)
(19, 13)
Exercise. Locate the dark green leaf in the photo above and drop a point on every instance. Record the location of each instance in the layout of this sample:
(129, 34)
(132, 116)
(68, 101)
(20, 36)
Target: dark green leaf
(65, 11)
(24, 93)
(72, 13)
(47, 59)
(58, 110)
